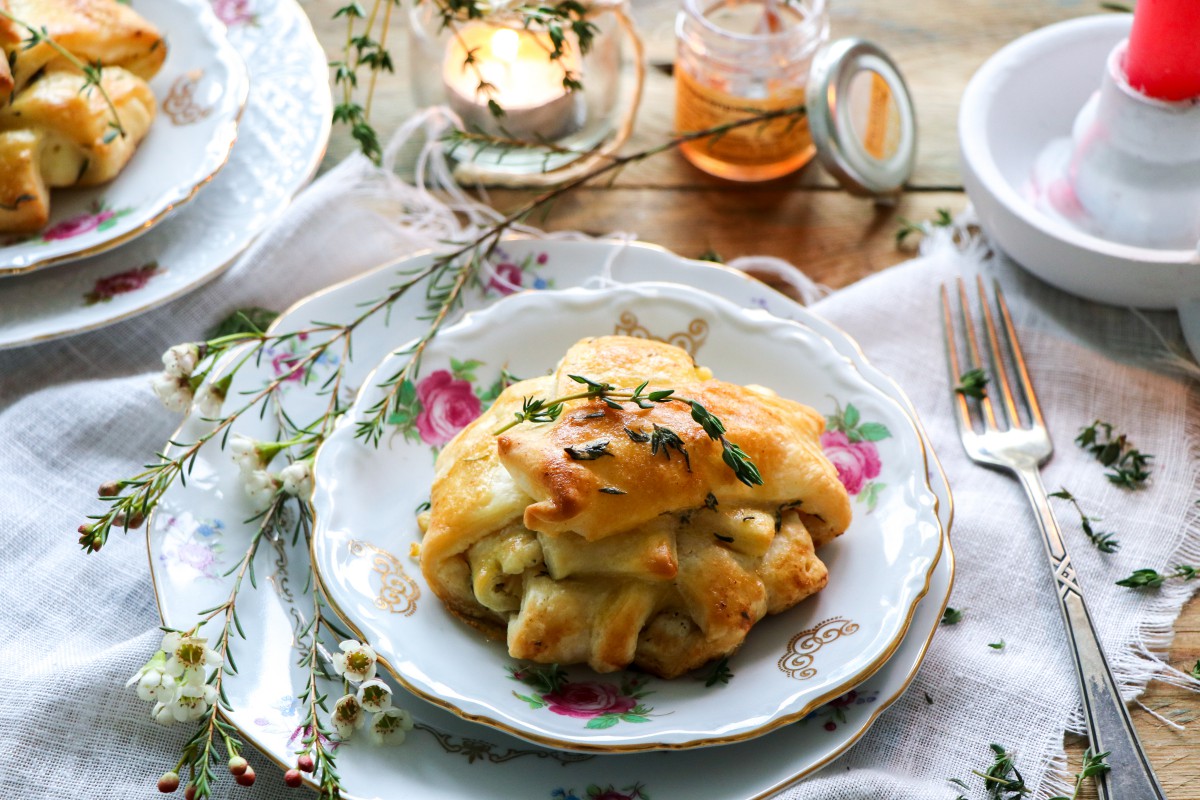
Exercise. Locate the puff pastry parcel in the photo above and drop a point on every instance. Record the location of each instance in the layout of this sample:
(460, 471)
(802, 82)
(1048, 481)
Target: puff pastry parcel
(53, 133)
(631, 557)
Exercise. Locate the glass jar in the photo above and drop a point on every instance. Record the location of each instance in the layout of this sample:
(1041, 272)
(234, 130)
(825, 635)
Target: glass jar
(513, 60)
(737, 58)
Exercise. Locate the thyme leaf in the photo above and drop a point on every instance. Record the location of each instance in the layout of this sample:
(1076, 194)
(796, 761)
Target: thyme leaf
(972, 383)
(590, 451)
(721, 673)
(952, 616)
(1129, 467)
(1152, 579)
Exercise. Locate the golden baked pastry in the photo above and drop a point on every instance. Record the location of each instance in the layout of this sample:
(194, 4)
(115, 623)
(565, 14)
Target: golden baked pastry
(598, 538)
(103, 31)
(53, 133)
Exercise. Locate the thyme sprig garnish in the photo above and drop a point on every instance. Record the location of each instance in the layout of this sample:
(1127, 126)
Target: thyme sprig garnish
(1104, 542)
(972, 383)
(720, 673)
(1002, 780)
(1130, 468)
(1153, 579)
(909, 228)
(661, 439)
(92, 73)
(1093, 765)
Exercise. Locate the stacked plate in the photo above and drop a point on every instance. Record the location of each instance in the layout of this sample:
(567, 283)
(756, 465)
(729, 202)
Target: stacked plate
(807, 684)
(244, 114)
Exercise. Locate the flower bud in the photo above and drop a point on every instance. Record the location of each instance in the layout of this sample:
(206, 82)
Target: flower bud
(246, 778)
(238, 765)
(169, 782)
(305, 763)
(109, 489)
(292, 779)
(190, 792)
(130, 521)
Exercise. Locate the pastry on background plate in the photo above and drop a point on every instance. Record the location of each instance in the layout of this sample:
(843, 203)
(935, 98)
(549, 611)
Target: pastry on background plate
(621, 536)
(55, 130)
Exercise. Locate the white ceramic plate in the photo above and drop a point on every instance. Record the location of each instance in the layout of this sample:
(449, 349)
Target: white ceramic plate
(197, 532)
(790, 663)
(201, 91)
(280, 140)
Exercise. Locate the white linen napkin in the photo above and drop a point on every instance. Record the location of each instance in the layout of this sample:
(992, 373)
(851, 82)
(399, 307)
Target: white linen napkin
(79, 411)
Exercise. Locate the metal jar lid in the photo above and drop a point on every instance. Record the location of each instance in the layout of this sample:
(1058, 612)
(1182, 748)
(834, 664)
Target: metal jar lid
(861, 118)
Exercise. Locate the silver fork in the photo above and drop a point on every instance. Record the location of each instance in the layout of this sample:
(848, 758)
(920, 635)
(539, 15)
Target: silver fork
(1018, 442)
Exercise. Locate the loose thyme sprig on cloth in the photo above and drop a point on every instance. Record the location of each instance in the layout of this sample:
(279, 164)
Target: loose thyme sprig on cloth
(661, 439)
(1105, 542)
(1130, 467)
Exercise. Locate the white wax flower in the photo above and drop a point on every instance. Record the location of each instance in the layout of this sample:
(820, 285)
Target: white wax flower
(174, 392)
(347, 716)
(181, 360)
(297, 479)
(244, 451)
(261, 487)
(209, 401)
(391, 726)
(152, 682)
(375, 696)
(193, 702)
(188, 659)
(356, 662)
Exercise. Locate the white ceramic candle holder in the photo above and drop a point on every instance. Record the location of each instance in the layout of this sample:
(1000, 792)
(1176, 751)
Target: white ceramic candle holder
(1129, 162)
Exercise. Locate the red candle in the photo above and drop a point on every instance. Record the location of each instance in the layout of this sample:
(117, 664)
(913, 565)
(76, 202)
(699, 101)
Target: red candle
(1163, 59)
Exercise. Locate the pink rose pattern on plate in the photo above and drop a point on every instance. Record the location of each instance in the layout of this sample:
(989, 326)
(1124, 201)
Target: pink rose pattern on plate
(849, 443)
(108, 287)
(510, 276)
(836, 710)
(234, 12)
(595, 792)
(432, 409)
(194, 543)
(99, 217)
(601, 704)
(287, 360)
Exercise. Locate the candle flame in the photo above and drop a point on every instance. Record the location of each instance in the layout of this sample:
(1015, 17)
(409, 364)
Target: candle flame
(505, 44)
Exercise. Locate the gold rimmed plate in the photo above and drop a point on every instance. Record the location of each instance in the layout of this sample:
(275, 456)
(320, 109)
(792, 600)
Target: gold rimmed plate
(201, 91)
(198, 530)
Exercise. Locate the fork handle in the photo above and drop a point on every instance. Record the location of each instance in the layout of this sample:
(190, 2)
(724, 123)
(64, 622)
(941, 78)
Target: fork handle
(1108, 723)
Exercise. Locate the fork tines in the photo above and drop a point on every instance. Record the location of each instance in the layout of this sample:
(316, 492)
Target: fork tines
(1019, 408)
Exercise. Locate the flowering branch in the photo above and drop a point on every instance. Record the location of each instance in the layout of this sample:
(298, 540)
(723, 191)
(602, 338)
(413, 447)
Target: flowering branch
(175, 676)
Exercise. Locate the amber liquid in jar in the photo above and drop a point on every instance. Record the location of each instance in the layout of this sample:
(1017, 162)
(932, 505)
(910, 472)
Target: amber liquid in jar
(738, 58)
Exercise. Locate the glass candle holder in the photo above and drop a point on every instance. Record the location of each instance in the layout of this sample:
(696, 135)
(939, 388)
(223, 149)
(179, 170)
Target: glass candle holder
(737, 58)
(477, 64)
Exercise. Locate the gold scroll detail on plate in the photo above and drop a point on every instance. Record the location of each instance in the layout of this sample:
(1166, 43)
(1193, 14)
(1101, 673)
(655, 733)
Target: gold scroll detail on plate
(797, 662)
(180, 103)
(397, 593)
(690, 340)
(478, 749)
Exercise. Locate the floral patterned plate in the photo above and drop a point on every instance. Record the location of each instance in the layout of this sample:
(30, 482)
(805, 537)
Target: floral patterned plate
(281, 137)
(192, 535)
(201, 91)
(790, 663)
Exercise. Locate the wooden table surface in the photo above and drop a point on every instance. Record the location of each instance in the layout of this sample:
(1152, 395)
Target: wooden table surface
(834, 238)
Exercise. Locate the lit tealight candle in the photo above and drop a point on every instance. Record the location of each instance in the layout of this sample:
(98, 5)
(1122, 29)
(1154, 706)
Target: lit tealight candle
(1163, 59)
(524, 81)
